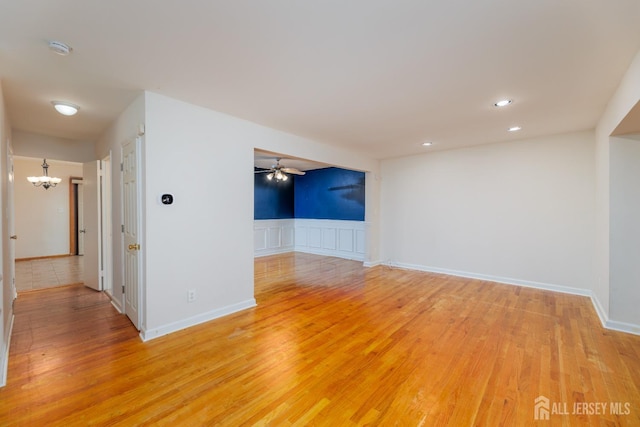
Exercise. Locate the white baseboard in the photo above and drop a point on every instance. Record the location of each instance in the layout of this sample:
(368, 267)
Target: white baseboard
(337, 254)
(497, 279)
(629, 328)
(600, 311)
(273, 252)
(4, 363)
(604, 319)
(150, 334)
(370, 264)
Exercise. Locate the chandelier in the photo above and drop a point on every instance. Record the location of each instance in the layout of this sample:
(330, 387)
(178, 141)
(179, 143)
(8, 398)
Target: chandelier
(45, 180)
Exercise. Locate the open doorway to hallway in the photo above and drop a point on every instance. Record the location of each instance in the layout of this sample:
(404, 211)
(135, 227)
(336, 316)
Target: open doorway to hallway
(43, 273)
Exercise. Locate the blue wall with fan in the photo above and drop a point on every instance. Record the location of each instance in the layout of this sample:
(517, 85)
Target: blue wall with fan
(330, 193)
(272, 199)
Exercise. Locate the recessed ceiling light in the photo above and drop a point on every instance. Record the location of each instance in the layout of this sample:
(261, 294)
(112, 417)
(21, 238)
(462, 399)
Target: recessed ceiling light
(65, 108)
(514, 128)
(60, 48)
(503, 103)
(427, 144)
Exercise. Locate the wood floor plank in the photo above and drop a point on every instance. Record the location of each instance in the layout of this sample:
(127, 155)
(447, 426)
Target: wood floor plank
(330, 343)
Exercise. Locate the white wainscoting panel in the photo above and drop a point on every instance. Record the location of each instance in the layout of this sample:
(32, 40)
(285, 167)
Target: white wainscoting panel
(343, 239)
(314, 236)
(273, 236)
(329, 238)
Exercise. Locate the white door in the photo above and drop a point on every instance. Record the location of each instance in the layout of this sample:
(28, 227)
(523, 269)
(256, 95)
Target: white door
(131, 230)
(91, 224)
(12, 229)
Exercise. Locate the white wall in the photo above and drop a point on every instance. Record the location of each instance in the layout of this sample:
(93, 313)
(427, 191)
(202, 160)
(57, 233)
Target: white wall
(124, 129)
(204, 241)
(625, 230)
(42, 216)
(622, 102)
(519, 212)
(28, 144)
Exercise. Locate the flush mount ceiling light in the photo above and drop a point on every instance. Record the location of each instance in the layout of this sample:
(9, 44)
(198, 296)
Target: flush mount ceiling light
(503, 103)
(65, 108)
(60, 48)
(45, 181)
(514, 128)
(427, 144)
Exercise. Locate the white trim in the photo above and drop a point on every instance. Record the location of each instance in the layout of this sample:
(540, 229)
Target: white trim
(115, 303)
(370, 264)
(602, 314)
(614, 325)
(497, 279)
(4, 369)
(147, 335)
(623, 327)
(604, 320)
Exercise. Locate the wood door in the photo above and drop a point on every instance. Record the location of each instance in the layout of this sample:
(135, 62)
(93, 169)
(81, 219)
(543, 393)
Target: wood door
(81, 229)
(91, 224)
(131, 229)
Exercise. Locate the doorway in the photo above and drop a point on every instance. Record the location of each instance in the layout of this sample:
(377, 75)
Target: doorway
(76, 227)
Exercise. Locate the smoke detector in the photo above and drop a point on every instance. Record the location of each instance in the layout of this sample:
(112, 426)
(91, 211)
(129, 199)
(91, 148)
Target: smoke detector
(60, 48)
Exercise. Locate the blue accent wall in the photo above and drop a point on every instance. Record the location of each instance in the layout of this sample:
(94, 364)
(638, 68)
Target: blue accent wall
(330, 193)
(271, 199)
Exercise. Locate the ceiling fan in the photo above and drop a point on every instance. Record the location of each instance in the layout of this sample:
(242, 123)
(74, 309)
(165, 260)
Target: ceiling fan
(279, 172)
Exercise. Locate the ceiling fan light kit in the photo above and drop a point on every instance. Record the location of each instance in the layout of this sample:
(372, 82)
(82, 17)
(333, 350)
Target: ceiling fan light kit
(279, 172)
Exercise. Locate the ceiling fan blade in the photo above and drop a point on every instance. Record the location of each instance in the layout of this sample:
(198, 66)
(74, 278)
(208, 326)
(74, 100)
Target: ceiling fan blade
(263, 171)
(293, 171)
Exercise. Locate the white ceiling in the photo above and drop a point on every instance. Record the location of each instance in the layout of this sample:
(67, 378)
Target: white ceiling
(376, 75)
(267, 160)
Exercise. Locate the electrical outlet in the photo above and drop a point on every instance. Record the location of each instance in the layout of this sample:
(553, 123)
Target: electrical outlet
(191, 295)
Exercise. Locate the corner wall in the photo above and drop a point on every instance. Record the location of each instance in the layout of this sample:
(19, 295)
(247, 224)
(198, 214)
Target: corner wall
(625, 231)
(110, 143)
(204, 240)
(608, 281)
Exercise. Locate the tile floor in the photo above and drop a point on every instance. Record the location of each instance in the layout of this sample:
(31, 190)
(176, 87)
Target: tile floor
(48, 273)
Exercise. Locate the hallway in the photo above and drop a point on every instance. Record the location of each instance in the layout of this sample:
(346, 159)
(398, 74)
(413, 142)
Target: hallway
(45, 273)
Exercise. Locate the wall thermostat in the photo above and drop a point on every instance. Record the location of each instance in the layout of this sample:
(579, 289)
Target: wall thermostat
(166, 199)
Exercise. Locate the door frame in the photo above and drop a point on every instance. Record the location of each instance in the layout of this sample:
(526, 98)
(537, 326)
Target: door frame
(73, 214)
(106, 228)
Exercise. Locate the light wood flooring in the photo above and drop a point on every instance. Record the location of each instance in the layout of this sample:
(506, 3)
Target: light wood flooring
(330, 344)
(48, 272)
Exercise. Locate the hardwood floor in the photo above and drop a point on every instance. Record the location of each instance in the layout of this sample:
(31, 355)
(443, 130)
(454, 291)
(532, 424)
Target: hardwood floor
(330, 343)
